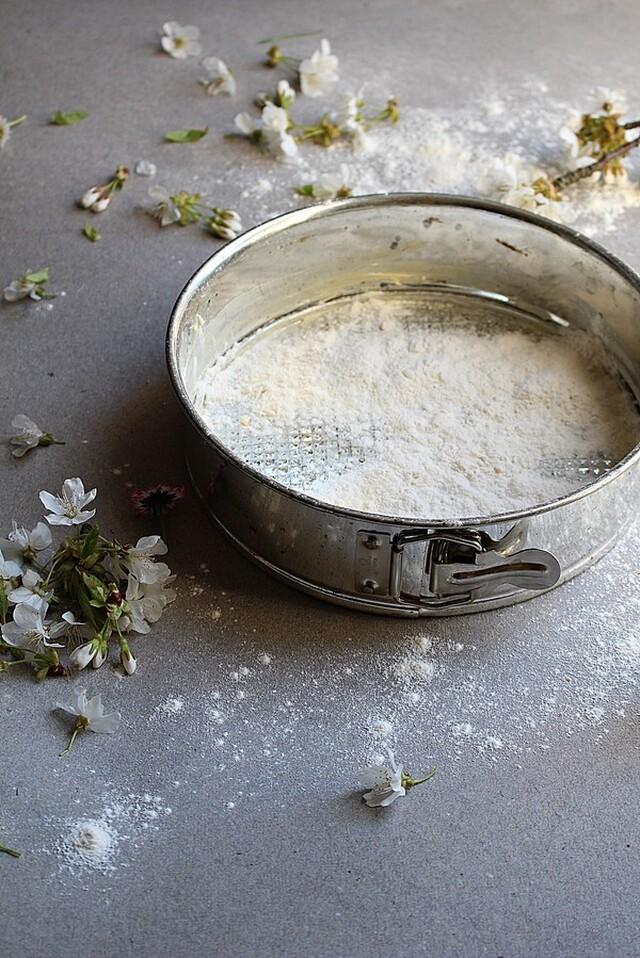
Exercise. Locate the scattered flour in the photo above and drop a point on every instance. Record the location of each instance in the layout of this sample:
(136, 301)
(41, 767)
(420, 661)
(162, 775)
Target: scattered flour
(103, 842)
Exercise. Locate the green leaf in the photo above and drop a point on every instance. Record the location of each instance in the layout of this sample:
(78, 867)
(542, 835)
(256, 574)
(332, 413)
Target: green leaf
(306, 190)
(185, 136)
(68, 119)
(41, 276)
(90, 542)
(92, 233)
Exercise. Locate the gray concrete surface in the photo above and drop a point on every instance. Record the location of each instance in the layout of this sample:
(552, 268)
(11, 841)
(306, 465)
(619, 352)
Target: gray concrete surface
(236, 822)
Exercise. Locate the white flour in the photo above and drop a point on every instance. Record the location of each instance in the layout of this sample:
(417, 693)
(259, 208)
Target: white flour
(373, 408)
(98, 844)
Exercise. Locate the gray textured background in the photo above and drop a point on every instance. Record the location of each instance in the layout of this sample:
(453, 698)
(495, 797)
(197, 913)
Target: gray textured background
(527, 852)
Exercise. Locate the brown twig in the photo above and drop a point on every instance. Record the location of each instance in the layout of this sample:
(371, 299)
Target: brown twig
(573, 176)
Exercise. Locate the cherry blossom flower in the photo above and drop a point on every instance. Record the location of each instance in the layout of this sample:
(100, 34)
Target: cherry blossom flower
(606, 102)
(274, 126)
(220, 79)
(68, 509)
(180, 42)
(387, 781)
(166, 210)
(138, 561)
(31, 591)
(9, 569)
(384, 782)
(319, 72)
(30, 632)
(22, 545)
(28, 436)
(146, 603)
(32, 284)
(329, 186)
(90, 715)
(510, 182)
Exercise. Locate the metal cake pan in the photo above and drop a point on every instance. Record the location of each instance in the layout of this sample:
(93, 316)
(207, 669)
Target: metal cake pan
(454, 246)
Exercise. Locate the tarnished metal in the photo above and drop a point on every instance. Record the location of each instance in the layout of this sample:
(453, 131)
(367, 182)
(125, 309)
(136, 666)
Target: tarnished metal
(449, 246)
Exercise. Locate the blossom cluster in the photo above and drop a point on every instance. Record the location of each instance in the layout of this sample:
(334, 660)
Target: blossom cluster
(184, 209)
(89, 592)
(596, 143)
(313, 77)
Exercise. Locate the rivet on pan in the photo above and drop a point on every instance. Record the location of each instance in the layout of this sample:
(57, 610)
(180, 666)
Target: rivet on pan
(371, 542)
(369, 585)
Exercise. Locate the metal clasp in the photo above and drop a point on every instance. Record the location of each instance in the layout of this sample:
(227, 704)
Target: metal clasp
(460, 565)
(472, 565)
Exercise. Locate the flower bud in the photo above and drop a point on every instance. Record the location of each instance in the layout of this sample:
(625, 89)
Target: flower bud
(129, 663)
(90, 197)
(101, 204)
(82, 655)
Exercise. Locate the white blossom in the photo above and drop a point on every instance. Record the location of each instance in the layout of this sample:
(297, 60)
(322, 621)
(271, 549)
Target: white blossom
(30, 631)
(606, 102)
(20, 289)
(274, 126)
(22, 545)
(9, 569)
(28, 434)
(319, 72)
(286, 94)
(31, 591)
(384, 781)
(180, 42)
(146, 603)
(330, 185)
(68, 509)
(220, 79)
(93, 652)
(509, 181)
(139, 562)
(91, 711)
(165, 211)
(247, 125)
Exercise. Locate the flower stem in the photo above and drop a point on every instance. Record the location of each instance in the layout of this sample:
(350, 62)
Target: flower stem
(10, 851)
(19, 120)
(573, 176)
(631, 126)
(76, 729)
(409, 782)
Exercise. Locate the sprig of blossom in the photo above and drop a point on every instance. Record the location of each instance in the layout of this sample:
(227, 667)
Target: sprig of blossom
(387, 781)
(219, 77)
(28, 436)
(93, 590)
(90, 715)
(98, 198)
(184, 209)
(280, 135)
(6, 127)
(597, 141)
(180, 41)
(31, 285)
